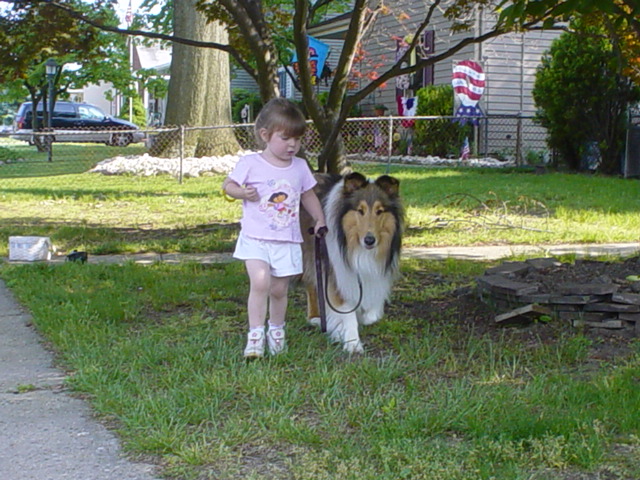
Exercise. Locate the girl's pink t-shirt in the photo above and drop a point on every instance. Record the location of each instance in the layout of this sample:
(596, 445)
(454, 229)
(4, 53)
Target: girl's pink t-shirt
(276, 216)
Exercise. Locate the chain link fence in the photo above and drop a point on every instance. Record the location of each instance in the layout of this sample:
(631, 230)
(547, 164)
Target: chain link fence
(187, 151)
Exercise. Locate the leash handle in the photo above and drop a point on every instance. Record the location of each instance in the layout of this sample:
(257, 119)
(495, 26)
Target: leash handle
(322, 232)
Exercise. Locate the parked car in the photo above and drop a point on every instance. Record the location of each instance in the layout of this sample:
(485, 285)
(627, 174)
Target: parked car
(77, 122)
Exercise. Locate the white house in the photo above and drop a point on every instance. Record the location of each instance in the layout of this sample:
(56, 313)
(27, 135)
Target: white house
(143, 57)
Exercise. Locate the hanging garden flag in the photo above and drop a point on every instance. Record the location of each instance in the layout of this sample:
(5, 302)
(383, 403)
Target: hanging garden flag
(318, 52)
(468, 84)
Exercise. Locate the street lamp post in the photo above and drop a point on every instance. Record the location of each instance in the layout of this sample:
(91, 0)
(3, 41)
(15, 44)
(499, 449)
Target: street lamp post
(51, 67)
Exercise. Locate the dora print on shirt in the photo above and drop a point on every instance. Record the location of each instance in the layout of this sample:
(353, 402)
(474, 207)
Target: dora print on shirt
(276, 216)
(280, 206)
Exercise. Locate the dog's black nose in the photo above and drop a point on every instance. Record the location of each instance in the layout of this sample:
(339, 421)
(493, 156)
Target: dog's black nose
(369, 240)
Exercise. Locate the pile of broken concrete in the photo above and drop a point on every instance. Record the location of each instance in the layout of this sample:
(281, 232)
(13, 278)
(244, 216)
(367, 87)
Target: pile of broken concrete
(544, 288)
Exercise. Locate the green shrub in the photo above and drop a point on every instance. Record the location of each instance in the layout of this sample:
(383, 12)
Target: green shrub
(582, 97)
(239, 99)
(440, 137)
(7, 155)
(139, 112)
(6, 120)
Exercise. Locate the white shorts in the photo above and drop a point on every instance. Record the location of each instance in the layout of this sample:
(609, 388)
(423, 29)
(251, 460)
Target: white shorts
(284, 258)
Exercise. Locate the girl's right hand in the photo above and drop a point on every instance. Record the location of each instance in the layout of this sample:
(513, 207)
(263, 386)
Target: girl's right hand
(251, 194)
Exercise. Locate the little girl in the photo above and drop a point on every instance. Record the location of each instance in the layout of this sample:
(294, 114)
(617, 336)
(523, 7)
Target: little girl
(271, 185)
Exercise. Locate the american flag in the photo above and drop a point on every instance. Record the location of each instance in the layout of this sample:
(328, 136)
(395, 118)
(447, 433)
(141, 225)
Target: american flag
(468, 82)
(466, 150)
(128, 17)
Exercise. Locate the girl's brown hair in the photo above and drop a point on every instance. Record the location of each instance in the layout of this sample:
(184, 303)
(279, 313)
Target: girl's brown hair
(280, 115)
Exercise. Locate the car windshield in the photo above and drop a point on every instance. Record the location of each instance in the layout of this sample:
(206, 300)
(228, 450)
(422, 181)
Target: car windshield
(91, 113)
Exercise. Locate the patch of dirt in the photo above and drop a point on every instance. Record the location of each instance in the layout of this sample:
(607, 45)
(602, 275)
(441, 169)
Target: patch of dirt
(586, 271)
(462, 307)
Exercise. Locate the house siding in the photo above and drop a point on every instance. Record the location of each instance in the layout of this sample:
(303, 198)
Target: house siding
(240, 79)
(402, 21)
(509, 61)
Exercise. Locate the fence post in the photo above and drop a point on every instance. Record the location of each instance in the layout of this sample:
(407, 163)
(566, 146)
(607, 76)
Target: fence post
(182, 130)
(486, 137)
(390, 143)
(519, 142)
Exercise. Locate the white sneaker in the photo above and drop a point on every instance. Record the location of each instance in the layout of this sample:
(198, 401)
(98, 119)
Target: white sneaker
(255, 344)
(276, 341)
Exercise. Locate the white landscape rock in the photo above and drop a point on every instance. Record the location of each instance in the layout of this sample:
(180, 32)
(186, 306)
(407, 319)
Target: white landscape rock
(147, 166)
(432, 161)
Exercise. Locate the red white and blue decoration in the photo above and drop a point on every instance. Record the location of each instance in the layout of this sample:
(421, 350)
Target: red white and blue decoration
(466, 149)
(468, 84)
(407, 107)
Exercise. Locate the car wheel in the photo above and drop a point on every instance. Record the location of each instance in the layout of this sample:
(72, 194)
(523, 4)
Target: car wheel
(120, 139)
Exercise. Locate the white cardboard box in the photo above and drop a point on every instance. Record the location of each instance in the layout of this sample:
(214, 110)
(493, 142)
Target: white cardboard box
(29, 249)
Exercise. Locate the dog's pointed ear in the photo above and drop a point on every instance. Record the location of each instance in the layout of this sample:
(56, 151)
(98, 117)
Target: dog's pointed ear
(390, 185)
(354, 181)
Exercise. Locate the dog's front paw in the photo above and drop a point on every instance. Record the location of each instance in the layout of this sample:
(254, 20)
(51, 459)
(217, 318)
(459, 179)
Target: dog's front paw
(315, 321)
(353, 346)
(368, 317)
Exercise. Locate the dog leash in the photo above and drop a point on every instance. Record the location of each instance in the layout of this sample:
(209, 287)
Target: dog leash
(322, 256)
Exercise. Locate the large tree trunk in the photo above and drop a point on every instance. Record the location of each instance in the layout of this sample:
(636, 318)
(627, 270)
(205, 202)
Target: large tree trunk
(199, 89)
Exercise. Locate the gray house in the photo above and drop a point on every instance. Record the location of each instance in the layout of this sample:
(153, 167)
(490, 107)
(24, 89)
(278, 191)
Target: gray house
(509, 61)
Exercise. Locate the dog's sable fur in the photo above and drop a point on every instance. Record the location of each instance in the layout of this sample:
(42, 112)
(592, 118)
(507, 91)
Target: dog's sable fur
(365, 221)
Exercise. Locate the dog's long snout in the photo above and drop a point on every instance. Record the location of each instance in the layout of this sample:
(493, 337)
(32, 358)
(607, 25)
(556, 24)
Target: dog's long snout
(369, 240)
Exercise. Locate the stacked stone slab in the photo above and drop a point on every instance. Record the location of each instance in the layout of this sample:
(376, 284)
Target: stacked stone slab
(591, 305)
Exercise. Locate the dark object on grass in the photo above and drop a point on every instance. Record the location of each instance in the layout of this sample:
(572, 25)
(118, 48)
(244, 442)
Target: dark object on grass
(77, 256)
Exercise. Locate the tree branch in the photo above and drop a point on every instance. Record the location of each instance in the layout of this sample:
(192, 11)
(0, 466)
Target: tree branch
(396, 69)
(142, 33)
(301, 42)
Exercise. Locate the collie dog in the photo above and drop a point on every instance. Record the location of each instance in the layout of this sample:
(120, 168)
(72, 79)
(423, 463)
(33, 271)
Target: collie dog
(365, 221)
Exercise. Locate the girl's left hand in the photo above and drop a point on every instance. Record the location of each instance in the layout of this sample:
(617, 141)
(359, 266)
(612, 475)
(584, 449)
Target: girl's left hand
(320, 230)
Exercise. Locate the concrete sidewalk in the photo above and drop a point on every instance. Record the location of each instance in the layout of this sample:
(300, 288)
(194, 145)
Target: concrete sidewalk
(45, 433)
(488, 252)
(48, 434)
(496, 252)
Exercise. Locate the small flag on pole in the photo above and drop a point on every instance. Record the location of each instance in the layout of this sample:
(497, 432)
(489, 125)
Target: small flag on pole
(466, 150)
(129, 15)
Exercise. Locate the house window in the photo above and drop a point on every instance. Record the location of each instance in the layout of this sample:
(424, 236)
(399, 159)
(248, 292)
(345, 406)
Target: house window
(285, 84)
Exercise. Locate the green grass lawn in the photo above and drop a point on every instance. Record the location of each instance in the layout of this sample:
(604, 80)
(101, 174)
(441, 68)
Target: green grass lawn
(157, 351)
(440, 394)
(106, 214)
(25, 161)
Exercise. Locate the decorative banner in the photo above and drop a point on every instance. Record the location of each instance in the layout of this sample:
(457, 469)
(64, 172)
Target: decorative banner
(403, 82)
(468, 84)
(407, 107)
(318, 52)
